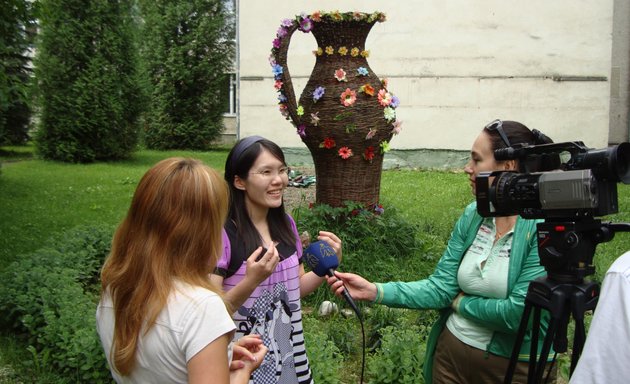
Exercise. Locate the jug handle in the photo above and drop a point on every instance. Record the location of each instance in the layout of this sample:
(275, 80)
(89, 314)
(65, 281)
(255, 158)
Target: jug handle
(287, 85)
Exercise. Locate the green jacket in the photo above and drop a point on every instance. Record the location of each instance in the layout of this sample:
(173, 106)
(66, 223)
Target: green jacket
(438, 291)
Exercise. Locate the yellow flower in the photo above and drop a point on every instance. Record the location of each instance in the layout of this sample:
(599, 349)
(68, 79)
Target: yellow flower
(343, 51)
(330, 50)
(300, 110)
(319, 51)
(354, 52)
(365, 53)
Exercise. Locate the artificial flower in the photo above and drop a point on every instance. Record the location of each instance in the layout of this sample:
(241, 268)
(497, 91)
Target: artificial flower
(371, 133)
(354, 52)
(328, 143)
(300, 110)
(284, 110)
(348, 97)
(316, 16)
(319, 51)
(358, 16)
(315, 118)
(397, 127)
(282, 32)
(277, 84)
(330, 50)
(365, 54)
(367, 89)
(272, 60)
(306, 25)
(384, 147)
(318, 93)
(345, 152)
(282, 98)
(340, 75)
(384, 97)
(276, 43)
(343, 51)
(276, 69)
(384, 82)
(395, 102)
(369, 153)
(301, 130)
(389, 113)
(287, 23)
(362, 71)
(378, 209)
(336, 16)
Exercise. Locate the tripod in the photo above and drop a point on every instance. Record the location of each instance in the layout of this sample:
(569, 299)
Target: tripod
(561, 300)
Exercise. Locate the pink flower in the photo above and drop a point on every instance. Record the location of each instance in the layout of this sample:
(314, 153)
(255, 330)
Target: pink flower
(371, 133)
(277, 84)
(345, 152)
(340, 75)
(348, 97)
(397, 127)
(384, 97)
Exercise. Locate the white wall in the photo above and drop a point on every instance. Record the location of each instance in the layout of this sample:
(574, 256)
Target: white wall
(454, 64)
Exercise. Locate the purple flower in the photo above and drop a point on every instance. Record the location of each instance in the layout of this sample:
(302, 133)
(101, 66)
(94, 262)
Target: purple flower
(287, 23)
(282, 32)
(282, 98)
(395, 102)
(276, 43)
(301, 130)
(306, 24)
(318, 93)
(276, 69)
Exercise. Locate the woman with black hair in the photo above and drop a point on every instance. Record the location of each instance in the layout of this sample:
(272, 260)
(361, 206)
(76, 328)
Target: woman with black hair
(261, 270)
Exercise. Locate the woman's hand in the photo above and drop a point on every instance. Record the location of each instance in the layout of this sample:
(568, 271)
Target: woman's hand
(248, 350)
(358, 287)
(333, 241)
(259, 270)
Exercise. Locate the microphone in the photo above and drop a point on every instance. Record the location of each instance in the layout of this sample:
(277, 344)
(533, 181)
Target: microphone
(322, 259)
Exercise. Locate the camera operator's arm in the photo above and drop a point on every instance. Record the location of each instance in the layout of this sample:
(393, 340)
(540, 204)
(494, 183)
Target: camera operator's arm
(504, 315)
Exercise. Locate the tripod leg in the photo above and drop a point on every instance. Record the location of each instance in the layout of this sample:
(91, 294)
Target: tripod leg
(544, 352)
(520, 335)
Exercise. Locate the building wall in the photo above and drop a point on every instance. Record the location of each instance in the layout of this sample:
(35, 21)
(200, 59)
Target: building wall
(455, 65)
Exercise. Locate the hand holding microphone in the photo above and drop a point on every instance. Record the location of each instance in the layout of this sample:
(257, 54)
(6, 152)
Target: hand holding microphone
(322, 259)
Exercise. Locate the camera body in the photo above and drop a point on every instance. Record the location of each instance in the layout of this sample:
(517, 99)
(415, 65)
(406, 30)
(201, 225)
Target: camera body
(585, 186)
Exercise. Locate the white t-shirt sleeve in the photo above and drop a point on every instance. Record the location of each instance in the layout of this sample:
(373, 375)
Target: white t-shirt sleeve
(208, 320)
(606, 354)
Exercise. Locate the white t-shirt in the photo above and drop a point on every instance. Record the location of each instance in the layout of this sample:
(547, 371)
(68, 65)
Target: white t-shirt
(192, 318)
(606, 354)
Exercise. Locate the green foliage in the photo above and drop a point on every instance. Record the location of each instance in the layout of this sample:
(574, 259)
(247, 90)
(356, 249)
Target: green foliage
(400, 358)
(85, 69)
(16, 37)
(49, 297)
(323, 355)
(187, 50)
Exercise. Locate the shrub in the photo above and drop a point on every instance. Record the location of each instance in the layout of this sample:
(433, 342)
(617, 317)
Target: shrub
(49, 297)
(85, 70)
(323, 355)
(400, 358)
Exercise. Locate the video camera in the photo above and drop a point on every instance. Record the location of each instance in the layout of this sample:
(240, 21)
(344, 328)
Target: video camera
(584, 186)
(569, 199)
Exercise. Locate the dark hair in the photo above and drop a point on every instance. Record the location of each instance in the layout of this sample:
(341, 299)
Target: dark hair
(239, 163)
(518, 133)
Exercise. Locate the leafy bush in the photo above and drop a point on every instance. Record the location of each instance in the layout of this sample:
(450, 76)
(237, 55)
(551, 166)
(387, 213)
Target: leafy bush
(323, 355)
(400, 358)
(85, 71)
(49, 297)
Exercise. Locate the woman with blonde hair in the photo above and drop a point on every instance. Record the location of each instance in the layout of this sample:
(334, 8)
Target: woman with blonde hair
(160, 319)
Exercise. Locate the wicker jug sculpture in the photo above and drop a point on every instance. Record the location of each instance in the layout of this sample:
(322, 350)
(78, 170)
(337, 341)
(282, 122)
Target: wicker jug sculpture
(345, 115)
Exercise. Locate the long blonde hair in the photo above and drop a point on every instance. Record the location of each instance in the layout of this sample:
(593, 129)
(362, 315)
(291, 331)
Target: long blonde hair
(172, 231)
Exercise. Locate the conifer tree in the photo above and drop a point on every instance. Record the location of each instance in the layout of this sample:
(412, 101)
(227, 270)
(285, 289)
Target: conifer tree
(88, 92)
(187, 51)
